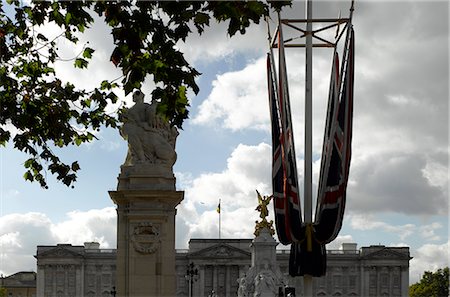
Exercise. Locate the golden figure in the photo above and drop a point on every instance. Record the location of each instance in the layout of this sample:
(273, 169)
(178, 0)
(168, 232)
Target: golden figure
(263, 202)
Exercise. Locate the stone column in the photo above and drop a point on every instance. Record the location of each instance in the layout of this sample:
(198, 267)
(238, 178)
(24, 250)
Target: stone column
(146, 202)
(404, 283)
(40, 280)
(146, 199)
(202, 280)
(228, 280)
(264, 250)
(366, 282)
(264, 275)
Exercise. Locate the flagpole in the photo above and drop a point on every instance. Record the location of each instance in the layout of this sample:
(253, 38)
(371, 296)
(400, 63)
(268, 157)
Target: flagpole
(220, 214)
(307, 279)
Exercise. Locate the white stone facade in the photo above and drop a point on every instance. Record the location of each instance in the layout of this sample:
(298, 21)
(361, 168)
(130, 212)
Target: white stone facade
(72, 271)
(66, 270)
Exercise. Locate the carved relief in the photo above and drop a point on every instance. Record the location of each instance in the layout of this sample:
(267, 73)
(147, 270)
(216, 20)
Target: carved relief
(145, 238)
(222, 252)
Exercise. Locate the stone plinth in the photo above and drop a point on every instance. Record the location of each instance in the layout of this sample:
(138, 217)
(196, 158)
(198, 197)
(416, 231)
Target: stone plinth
(264, 250)
(264, 276)
(145, 233)
(145, 177)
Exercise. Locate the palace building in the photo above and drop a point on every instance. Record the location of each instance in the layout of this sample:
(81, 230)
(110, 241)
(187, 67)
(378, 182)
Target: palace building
(21, 284)
(216, 265)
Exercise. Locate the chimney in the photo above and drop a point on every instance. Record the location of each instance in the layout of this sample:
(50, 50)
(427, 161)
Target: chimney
(349, 246)
(91, 245)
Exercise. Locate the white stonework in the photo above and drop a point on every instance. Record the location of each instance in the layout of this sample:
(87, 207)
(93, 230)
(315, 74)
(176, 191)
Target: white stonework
(369, 271)
(146, 199)
(72, 271)
(263, 279)
(151, 139)
(146, 242)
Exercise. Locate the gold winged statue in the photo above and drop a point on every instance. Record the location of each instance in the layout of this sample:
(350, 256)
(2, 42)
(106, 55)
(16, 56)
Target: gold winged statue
(263, 202)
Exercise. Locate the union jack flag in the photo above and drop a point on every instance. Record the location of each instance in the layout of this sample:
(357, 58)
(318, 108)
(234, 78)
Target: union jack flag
(336, 154)
(292, 197)
(282, 227)
(308, 253)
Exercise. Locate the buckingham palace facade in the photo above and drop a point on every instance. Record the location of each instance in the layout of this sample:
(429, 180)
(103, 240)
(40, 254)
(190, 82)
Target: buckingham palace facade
(65, 270)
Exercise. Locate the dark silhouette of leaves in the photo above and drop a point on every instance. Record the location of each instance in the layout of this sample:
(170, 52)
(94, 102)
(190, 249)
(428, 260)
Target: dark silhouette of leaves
(45, 113)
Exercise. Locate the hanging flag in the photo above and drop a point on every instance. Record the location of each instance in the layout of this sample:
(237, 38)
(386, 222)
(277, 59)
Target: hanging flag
(293, 214)
(218, 208)
(327, 147)
(309, 256)
(284, 235)
(336, 155)
(308, 252)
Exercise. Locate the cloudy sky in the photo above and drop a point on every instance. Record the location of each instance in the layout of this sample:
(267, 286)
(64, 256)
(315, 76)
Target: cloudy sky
(398, 188)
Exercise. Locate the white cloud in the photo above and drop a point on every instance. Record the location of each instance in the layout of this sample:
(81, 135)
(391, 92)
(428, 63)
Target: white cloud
(239, 99)
(394, 182)
(337, 243)
(20, 234)
(367, 222)
(93, 225)
(220, 45)
(248, 169)
(404, 231)
(428, 231)
(429, 257)
(436, 173)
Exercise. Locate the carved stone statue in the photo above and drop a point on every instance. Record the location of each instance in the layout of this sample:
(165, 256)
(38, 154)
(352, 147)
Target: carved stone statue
(263, 202)
(151, 140)
(246, 283)
(265, 283)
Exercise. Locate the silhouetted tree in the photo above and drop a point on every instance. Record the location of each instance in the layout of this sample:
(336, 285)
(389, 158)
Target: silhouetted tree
(432, 284)
(40, 112)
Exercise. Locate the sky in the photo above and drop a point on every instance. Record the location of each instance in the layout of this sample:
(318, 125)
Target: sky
(398, 186)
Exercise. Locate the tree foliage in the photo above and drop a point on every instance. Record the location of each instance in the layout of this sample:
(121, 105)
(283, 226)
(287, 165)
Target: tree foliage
(432, 284)
(46, 112)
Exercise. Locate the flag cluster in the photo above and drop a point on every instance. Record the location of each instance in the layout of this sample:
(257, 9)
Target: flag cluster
(308, 254)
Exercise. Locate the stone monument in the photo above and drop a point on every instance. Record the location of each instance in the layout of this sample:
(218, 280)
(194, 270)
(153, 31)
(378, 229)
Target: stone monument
(146, 199)
(264, 276)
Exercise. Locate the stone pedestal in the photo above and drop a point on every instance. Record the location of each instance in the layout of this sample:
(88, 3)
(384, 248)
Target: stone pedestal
(146, 204)
(264, 276)
(264, 250)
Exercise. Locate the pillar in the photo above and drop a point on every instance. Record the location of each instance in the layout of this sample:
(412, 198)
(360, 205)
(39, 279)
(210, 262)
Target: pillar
(145, 233)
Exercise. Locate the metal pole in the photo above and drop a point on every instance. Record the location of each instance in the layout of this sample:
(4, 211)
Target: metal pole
(220, 214)
(190, 274)
(307, 279)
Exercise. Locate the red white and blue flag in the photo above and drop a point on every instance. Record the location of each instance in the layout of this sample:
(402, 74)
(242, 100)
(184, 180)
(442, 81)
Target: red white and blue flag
(336, 152)
(280, 206)
(288, 218)
(293, 214)
(308, 253)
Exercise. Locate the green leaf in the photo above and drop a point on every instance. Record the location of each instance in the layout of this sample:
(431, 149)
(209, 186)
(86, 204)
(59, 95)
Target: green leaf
(28, 163)
(80, 63)
(68, 18)
(75, 166)
(81, 27)
(42, 37)
(28, 176)
(112, 96)
(78, 141)
(87, 53)
(105, 85)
